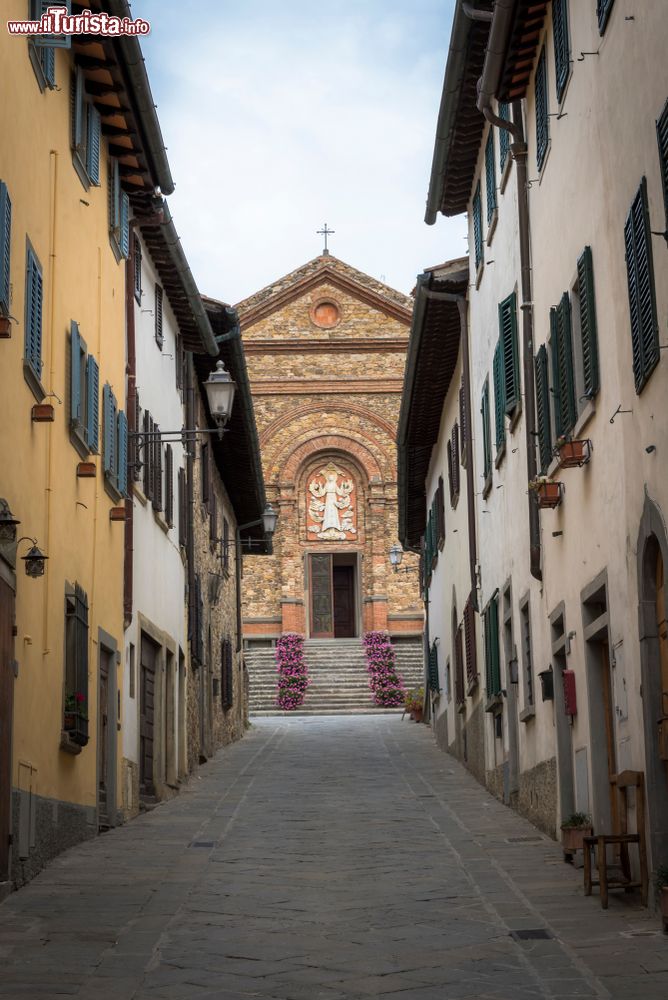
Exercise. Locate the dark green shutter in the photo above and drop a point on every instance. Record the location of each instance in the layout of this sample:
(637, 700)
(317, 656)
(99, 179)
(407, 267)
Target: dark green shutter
(125, 225)
(499, 411)
(477, 226)
(562, 47)
(33, 319)
(5, 247)
(486, 432)
(122, 455)
(92, 403)
(490, 176)
(432, 672)
(588, 332)
(542, 120)
(642, 301)
(158, 317)
(76, 401)
(509, 352)
(504, 136)
(603, 8)
(543, 409)
(562, 367)
(93, 145)
(662, 137)
(495, 667)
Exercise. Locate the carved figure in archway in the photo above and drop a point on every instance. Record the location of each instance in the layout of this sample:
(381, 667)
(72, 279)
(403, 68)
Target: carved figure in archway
(331, 506)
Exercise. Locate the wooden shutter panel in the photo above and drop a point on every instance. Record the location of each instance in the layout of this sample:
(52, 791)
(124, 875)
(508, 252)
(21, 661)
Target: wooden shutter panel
(124, 241)
(33, 322)
(486, 442)
(81, 644)
(78, 109)
(662, 138)
(183, 527)
(92, 403)
(137, 262)
(603, 8)
(147, 456)
(642, 302)
(109, 462)
(158, 316)
(470, 643)
(115, 200)
(440, 507)
(433, 682)
(75, 375)
(588, 323)
(93, 144)
(542, 120)
(205, 474)
(504, 136)
(157, 472)
(460, 692)
(562, 367)
(562, 48)
(509, 352)
(455, 457)
(543, 409)
(122, 459)
(226, 545)
(490, 175)
(499, 410)
(451, 476)
(5, 247)
(462, 422)
(477, 226)
(169, 485)
(494, 646)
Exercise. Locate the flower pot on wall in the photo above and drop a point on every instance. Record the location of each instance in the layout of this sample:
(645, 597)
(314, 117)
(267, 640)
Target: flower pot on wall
(573, 454)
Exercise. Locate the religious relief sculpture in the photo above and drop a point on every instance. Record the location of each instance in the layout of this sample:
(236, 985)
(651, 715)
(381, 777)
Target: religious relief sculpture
(331, 505)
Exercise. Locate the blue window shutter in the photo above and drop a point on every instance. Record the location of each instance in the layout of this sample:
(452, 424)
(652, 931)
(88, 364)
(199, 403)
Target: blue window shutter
(77, 109)
(662, 137)
(122, 469)
(48, 61)
(93, 145)
(542, 120)
(5, 247)
(75, 375)
(588, 330)
(125, 225)
(114, 199)
(92, 403)
(49, 42)
(562, 45)
(642, 300)
(109, 442)
(33, 317)
(543, 409)
(499, 400)
(509, 352)
(477, 226)
(490, 175)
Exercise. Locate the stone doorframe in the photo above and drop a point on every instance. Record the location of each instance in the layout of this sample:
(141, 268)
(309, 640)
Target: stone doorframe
(107, 644)
(359, 598)
(166, 644)
(652, 534)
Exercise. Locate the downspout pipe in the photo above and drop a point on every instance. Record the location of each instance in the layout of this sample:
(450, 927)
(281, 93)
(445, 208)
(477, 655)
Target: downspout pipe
(487, 88)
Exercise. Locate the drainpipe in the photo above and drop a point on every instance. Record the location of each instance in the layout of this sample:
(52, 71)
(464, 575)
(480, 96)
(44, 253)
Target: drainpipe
(475, 14)
(487, 87)
(462, 305)
(131, 372)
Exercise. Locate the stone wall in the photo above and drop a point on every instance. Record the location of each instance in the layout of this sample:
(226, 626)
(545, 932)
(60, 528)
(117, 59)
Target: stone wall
(47, 827)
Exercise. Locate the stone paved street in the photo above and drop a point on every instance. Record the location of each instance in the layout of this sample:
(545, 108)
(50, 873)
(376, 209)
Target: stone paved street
(325, 858)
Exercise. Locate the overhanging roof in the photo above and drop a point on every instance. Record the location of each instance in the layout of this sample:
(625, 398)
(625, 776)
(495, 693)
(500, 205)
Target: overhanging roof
(431, 360)
(521, 50)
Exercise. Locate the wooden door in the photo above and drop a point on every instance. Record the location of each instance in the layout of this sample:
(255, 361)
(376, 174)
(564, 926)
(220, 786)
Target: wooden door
(343, 578)
(608, 712)
(6, 704)
(103, 743)
(322, 598)
(147, 714)
(662, 631)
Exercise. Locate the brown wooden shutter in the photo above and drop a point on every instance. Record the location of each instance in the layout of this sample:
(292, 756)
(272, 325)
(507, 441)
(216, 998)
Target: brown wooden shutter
(455, 458)
(460, 694)
(470, 644)
(157, 473)
(440, 504)
(169, 485)
(183, 523)
(147, 454)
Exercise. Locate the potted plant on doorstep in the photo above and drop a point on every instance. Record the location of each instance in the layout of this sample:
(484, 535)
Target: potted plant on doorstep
(573, 831)
(549, 493)
(414, 703)
(662, 889)
(572, 454)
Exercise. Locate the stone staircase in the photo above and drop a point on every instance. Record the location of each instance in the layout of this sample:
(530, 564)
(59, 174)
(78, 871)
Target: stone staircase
(339, 679)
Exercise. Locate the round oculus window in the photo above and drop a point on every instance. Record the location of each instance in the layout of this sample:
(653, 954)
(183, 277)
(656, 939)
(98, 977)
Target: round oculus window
(325, 314)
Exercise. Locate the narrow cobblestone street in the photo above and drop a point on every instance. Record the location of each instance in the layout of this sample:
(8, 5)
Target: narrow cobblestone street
(325, 858)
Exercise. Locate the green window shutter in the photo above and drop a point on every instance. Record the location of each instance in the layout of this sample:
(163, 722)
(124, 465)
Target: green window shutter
(477, 226)
(125, 225)
(642, 301)
(509, 352)
(432, 672)
(504, 135)
(33, 318)
(159, 339)
(92, 403)
(5, 247)
(562, 45)
(490, 175)
(588, 323)
(93, 145)
(486, 432)
(109, 441)
(75, 375)
(562, 367)
(122, 455)
(603, 8)
(77, 101)
(543, 409)
(662, 137)
(495, 666)
(488, 652)
(499, 411)
(542, 120)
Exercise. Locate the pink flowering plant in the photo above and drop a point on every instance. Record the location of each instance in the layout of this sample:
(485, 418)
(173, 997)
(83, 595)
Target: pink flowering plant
(387, 687)
(293, 676)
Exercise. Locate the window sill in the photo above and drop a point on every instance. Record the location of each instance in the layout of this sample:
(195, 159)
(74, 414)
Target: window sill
(472, 686)
(463, 458)
(487, 488)
(69, 746)
(454, 500)
(494, 703)
(112, 489)
(78, 440)
(505, 174)
(139, 494)
(36, 387)
(461, 707)
(81, 171)
(160, 521)
(36, 64)
(491, 226)
(515, 416)
(527, 714)
(541, 169)
(587, 413)
(479, 273)
(500, 455)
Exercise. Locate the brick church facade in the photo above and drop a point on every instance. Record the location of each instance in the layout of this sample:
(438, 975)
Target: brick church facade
(325, 348)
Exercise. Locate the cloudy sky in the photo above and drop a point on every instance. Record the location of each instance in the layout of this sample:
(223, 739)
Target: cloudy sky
(281, 116)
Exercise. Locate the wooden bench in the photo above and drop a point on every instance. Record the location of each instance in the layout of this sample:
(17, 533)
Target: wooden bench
(617, 874)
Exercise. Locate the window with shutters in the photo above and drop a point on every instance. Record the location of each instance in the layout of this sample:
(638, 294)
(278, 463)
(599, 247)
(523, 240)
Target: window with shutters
(119, 213)
(584, 331)
(440, 509)
(462, 423)
(75, 707)
(527, 653)
(225, 554)
(486, 438)
(433, 682)
(33, 322)
(543, 417)
(159, 339)
(563, 378)
(114, 445)
(542, 119)
(453, 465)
(227, 674)
(169, 485)
(5, 249)
(180, 363)
(477, 228)
(504, 136)
(603, 9)
(642, 297)
(460, 689)
(662, 138)
(137, 262)
(196, 621)
(43, 55)
(205, 474)
(213, 521)
(470, 645)
(499, 408)
(510, 366)
(562, 45)
(183, 508)
(492, 659)
(84, 384)
(147, 454)
(490, 183)
(86, 131)
(158, 498)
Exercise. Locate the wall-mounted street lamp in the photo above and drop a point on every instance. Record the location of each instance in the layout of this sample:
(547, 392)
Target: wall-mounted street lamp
(396, 557)
(268, 521)
(34, 559)
(8, 523)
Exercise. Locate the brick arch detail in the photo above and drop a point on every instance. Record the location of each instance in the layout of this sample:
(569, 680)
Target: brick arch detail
(308, 409)
(340, 443)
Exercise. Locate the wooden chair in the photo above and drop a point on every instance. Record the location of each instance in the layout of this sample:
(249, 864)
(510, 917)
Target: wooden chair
(617, 874)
